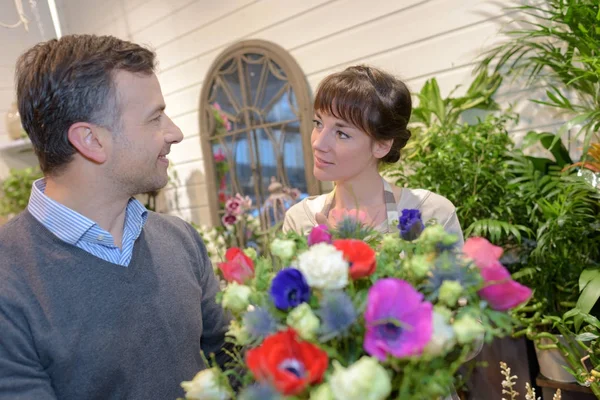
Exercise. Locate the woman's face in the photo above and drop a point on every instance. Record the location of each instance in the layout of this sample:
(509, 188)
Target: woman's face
(341, 151)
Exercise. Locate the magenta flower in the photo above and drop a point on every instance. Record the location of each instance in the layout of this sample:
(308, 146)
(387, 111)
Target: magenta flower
(229, 219)
(319, 234)
(398, 321)
(501, 292)
(219, 156)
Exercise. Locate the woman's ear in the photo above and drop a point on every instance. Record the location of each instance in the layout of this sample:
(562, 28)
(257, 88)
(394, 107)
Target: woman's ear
(89, 140)
(382, 148)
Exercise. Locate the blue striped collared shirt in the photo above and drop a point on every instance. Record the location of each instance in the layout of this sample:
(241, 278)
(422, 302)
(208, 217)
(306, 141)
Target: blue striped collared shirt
(73, 228)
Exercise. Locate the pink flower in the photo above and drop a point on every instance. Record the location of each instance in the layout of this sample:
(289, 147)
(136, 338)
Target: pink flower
(398, 321)
(319, 234)
(358, 215)
(482, 252)
(238, 267)
(245, 201)
(229, 219)
(226, 122)
(501, 292)
(505, 294)
(233, 206)
(219, 156)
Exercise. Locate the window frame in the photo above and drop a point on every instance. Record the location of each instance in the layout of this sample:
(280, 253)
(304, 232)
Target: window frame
(301, 89)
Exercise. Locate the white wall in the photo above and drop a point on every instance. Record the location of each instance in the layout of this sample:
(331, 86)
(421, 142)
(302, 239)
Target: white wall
(415, 39)
(13, 42)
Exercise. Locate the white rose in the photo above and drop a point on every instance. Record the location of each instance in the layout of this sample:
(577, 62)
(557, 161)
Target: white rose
(443, 337)
(236, 297)
(366, 379)
(284, 249)
(324, 267)
(204, 386)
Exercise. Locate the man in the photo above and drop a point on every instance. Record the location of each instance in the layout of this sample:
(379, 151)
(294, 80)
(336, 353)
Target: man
(100, 298)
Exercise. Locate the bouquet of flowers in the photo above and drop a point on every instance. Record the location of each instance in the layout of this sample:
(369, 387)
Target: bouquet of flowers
(348, 314)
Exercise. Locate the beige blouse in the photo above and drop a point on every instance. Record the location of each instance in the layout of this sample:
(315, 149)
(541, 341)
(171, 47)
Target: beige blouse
(301, 216)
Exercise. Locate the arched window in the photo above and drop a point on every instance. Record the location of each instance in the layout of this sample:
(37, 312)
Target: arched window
(255, 124)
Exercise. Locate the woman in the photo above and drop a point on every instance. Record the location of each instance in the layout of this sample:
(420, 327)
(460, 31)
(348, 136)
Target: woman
(361, 117)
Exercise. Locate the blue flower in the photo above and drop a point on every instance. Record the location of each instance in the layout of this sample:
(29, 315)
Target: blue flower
(289, 289)
(259, 323)
(410, 224)
(337, 314)
(259, 391)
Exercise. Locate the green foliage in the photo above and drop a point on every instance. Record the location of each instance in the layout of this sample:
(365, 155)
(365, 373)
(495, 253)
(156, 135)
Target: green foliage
(560, 42)
(16, 189)
(467, 164)
(435, 112)
(546, 219)
(567, 222)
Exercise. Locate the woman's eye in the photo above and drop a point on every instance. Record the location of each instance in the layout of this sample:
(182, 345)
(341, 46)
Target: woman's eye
(342, 135)
(317, 123)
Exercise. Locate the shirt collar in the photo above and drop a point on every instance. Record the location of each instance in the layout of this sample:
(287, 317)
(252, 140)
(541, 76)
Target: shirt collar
(69, 225)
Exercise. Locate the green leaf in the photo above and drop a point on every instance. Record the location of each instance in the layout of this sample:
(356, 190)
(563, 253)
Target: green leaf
(589, 295)
(586, 337)
(578, 120)
(572, 313)
(586, 276)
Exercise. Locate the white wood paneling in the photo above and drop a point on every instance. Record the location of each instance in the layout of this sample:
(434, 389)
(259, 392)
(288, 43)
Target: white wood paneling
(190, 173)
(230, 28)
(198, 215)
(188, 123)
(195, 16)
(183, 101)
(186, 151)
(183, 197)
(150, 13)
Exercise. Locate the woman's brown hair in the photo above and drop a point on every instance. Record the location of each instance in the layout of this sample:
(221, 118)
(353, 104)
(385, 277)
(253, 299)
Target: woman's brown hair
(370, 99)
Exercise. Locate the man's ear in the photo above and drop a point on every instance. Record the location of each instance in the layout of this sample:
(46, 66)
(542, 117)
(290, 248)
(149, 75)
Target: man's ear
(382, 148)
(89, 140)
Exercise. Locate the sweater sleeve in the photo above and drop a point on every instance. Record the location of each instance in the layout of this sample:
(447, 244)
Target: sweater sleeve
(21, 374)
(215, 320)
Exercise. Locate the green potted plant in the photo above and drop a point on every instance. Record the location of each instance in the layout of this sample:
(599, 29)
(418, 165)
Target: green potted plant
(556, 46)
(15, 190)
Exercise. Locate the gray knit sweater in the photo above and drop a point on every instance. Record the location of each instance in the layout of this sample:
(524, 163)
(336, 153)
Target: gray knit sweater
(73, 326)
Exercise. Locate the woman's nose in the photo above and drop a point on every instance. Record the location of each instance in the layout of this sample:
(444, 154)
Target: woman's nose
(319, 140)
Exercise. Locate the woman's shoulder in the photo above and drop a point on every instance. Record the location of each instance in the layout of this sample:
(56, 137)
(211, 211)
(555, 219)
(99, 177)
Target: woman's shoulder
(431, 205)
(301, 216)
(423, 199)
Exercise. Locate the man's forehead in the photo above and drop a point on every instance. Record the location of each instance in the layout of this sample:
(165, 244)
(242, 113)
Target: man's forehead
(137, 88)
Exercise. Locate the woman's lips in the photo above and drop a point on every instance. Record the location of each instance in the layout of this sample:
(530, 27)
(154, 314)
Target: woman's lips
(320, 163)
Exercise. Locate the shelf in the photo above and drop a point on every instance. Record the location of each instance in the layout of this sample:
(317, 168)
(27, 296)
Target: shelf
(542, 381)
(16, 146)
